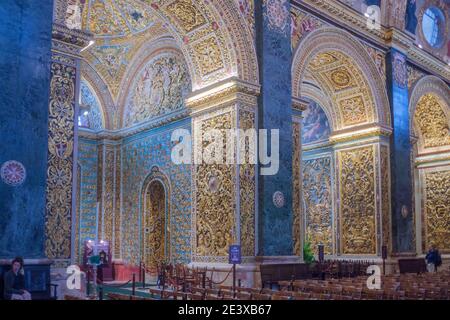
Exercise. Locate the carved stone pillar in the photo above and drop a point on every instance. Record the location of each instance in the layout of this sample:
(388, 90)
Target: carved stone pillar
(224, 191)
(62, 142)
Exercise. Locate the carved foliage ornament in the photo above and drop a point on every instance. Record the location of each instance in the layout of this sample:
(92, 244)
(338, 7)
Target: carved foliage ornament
(357, 206)
(186, 15)
(437, 209)
(214, 211)
(432, 122)
(60, 161)
(318, 202)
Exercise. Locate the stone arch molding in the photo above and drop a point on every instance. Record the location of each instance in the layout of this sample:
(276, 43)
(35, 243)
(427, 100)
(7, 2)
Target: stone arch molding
(100, 89)
(155, 175)
(429, 85)
(328, 39)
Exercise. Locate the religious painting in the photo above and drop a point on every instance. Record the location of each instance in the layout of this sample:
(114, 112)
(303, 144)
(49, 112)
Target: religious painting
(316, 127)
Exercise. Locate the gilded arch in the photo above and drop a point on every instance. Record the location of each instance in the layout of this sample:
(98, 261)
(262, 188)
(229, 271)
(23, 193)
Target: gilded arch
(429, 101)
(329, 45)
(430, 123)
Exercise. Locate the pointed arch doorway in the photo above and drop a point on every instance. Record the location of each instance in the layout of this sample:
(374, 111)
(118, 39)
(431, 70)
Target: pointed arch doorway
(155, 221)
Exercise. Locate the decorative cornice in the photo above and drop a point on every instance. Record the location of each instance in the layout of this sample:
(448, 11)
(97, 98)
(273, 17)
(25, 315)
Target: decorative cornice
(433, 159)
(71, 36)
(356, 133)
(429, 62)
(224, 92)
(299, 104)
(69, 41)
(399, 40)
(115, 135)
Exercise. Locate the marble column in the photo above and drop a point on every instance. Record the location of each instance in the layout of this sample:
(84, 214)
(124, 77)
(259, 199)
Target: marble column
(275, 216)
(401, 176)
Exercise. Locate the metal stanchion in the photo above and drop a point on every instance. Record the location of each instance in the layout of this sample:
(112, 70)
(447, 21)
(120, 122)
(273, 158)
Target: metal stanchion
(100, 293)
(88, 286)
(134, 284)
(142, 274)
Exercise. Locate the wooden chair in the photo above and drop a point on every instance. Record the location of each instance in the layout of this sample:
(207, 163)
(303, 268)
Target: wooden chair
(243, 296)
(260, 296)
(280, 297)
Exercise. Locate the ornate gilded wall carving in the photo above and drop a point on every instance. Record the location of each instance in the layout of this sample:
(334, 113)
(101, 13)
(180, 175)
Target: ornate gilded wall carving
(77, 253)
(186, 15)
(214, 207)
(60, 160)
(154, 225)
(117, 214)
(208, 55)
(100, 188)
(357, 200)
(353, 110)
(431, 122)
(296, 188)
(108, 195)
(385, 197)
(159, 89)
(343, 81)
(212, 35)
(317, 198)
(247, 191)
(437, 209)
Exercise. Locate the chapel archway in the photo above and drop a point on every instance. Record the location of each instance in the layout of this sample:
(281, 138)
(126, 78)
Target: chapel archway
(342, 174)
(155, 221)
(430, 123)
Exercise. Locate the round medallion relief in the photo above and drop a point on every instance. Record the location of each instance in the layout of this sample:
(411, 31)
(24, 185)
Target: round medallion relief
(278, 199)
(13, 173)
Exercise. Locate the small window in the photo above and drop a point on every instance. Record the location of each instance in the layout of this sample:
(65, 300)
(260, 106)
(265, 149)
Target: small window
(433, 26)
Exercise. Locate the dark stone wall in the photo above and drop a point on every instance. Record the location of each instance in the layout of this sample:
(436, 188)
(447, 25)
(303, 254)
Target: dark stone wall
(25, 50)
(275, 56)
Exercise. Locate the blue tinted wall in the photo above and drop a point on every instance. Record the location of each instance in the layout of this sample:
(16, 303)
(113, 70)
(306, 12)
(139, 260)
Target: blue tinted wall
(401, 187)
(25, 48)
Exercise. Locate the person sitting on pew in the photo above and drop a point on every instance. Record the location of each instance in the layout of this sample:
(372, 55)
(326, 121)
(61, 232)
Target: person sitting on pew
(14, 282)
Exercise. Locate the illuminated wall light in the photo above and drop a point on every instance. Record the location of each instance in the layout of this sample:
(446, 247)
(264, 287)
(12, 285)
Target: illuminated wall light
(91, 43)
